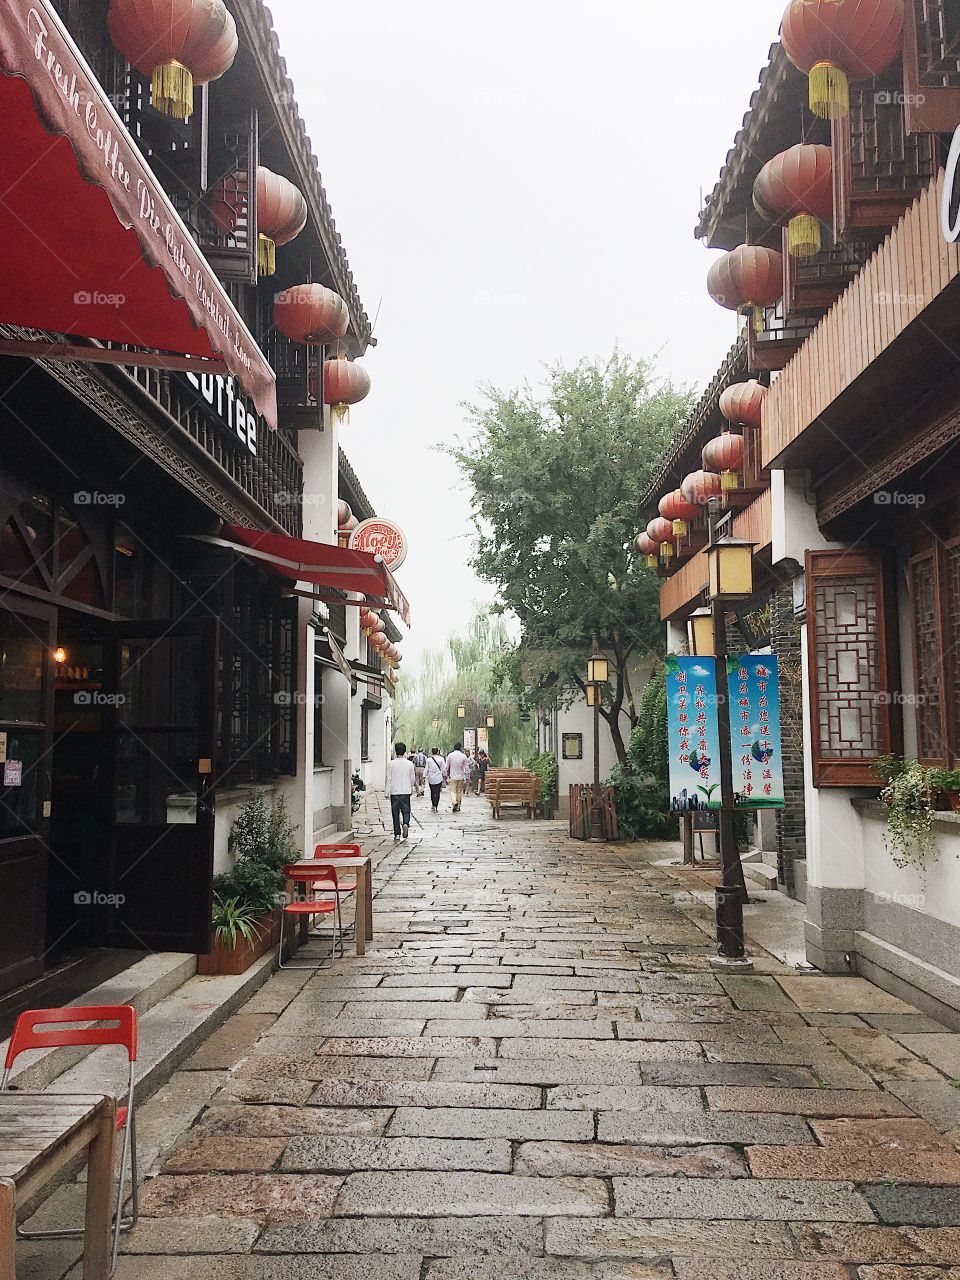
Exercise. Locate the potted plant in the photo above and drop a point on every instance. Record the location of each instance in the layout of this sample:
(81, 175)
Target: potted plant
(945, 783)
(247, 898)
(910, 837)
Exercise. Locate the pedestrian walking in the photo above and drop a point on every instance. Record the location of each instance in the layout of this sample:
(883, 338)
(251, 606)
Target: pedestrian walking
(419, 759)
(469, 772)
(434, 776)
(453, 772)
(483, 764)
(401, 784)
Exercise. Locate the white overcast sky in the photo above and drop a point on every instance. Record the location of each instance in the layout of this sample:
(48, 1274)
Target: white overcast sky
(515, 183)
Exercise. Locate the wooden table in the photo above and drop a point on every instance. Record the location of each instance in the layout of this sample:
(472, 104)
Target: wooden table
(40, 1133)
(364, 929)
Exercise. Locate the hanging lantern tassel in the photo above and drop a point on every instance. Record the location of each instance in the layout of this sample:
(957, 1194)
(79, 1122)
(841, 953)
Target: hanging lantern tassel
(829, 91)
(666, 552)
(729, 480)
(803, 235)
(266, 256)
(340, 413)
(680, 528)
(651, 562)
(172, 90)
(756, 316)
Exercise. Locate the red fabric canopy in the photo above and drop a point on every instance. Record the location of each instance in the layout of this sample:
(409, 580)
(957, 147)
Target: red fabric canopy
(324, 565)
(90, 243)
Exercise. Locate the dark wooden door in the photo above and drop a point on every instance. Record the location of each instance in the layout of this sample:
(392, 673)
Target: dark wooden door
(27, 634)
(156, 882)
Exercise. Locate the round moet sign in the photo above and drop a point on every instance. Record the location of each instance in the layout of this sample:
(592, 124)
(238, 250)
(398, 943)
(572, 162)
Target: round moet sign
(380, 538)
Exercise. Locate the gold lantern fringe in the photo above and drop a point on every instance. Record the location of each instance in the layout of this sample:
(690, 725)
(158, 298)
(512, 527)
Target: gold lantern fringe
(729, 480)
(803, 236)
(340, 413)
(651, 562)
(171, 90)
(756, 315)
(829, 91)
(666, 552)
(680, 529)
(266, 256)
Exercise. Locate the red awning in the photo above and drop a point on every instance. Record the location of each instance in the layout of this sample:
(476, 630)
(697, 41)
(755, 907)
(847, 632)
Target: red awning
(324, 565)
(91, 245)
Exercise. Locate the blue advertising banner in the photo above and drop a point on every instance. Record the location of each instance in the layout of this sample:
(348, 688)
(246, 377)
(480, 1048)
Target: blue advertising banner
(756, 742)
(692, 733)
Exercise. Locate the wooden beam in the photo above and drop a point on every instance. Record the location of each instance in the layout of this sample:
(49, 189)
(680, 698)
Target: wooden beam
(42, 350)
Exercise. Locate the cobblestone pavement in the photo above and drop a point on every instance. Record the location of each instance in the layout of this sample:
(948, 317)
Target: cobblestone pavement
(534, 1075)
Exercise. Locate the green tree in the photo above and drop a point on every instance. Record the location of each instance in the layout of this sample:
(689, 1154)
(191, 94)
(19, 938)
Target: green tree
(555, 478)
(469, 671)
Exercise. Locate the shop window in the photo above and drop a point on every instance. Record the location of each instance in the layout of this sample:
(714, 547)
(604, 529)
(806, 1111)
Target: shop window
(364, 732)
(849, 676)
(927, 655)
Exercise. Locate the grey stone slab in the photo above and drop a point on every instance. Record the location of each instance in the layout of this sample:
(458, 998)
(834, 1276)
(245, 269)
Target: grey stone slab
(678, 1127)
(229, 1043)
(355, 1267)
(278, 1121)
(750, 1074)
(631, 1238)
(623, 1098)
(609, 1159)
(606, 1050)
(836, 994)
(408, 1046)
(459, 1122)
(355, 1026)
(904, 1203)
(191, 1235)
(349, 1155)
(866, 1243)
(541, 1269)
(538, 1071)
(904, 1023)
(542, 1029)
(806, 1102)
(936, 1101)
(433, 1093)
(757, 992)
(442, 991)
(434, 1237)
(688, 1269)
(468, 1194)
(779, 1200)
(942, 1049)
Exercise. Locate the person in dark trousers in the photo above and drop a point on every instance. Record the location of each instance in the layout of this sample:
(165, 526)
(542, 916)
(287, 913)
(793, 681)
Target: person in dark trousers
(401, 784)
(435, 777)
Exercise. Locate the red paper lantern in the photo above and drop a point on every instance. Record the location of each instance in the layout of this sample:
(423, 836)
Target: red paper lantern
(646, 547)
(700, 486)
(178, 43)
(344, 513)
(742, 403)
(747, 279)
(796, 187)
(310, 313)
(725, 454)
(281, 216)
(345, 382)
(835, 41)
(660, 531)
(675, 507)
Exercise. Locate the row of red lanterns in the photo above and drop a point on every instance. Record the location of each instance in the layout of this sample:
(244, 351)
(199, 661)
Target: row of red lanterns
(374, 628)
(833, 42)
(313, 315)
(741, 404)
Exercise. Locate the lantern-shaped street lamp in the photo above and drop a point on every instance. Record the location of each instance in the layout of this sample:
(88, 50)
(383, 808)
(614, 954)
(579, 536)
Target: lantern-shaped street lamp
(598, 669)
(490, 722)
(700, 633)
(594, 695)
(598, 672)
(730, 569)
(461, 711)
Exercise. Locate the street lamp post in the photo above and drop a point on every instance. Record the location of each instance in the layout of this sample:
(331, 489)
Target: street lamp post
(730, 565)
(598, 671)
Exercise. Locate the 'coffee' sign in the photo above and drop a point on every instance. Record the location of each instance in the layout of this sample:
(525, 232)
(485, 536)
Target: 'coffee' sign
(380, 538)
(221, 395)
(949, 210)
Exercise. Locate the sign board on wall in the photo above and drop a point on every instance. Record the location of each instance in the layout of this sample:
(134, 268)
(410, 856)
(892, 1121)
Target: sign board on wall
(755, 736)
(228, 404)
(382, 538)
(693, 733)
(483, 740)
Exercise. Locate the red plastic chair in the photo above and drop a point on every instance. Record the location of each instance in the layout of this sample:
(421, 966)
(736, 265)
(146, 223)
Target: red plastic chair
(322, 879)
(327, 851)
(55, 1028)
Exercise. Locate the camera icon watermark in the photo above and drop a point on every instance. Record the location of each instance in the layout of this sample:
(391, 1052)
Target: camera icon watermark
(897, 98)
(94, 298)
(96, 898)
(287, 699)
(898, 699)
(88, 498)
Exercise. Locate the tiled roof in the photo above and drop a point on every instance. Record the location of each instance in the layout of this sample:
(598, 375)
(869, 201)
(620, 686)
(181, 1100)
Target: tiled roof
(774, 122)
(705, 420)
(256, 21)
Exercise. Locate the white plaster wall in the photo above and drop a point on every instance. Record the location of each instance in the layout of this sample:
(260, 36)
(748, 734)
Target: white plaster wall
(936, 895)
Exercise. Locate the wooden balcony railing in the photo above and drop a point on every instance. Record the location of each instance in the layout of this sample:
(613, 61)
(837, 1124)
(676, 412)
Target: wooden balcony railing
(681, 591)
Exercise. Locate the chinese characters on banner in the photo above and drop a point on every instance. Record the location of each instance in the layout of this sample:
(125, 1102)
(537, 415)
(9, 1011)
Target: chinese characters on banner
(469, 739)
(693, 734)
(755, 736)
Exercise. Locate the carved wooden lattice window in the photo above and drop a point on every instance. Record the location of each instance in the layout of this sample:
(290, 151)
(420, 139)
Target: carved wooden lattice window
(849, 690)
(931, 65)
(924, 590)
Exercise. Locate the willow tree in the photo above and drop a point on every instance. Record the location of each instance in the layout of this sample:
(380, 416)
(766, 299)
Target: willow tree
(556, 475)
(468, 671)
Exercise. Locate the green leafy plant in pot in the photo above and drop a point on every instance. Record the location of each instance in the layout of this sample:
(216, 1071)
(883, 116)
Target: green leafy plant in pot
(910, 837)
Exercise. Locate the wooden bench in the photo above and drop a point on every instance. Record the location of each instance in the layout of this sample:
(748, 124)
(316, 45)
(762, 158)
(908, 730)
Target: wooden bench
(513, 789)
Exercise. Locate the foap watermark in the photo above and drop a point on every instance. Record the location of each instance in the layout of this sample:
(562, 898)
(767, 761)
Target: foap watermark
(95, 298)
(897, 498)
(898, 699)
(96, 898)
(97, 698)
(496, 298)
(286, 699)
(901, 899)
(86, 498)
(897, 98)
(891, 298)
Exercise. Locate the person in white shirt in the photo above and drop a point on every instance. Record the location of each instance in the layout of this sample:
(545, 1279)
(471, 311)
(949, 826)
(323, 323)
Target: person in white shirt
(454, 770)
(419, 758)
(401, 784)
(435, 767)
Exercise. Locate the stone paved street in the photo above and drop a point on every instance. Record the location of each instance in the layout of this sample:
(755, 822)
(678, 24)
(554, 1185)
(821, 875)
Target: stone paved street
(534, 1074)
